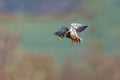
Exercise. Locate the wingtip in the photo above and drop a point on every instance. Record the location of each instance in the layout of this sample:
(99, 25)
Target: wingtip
(55, 33)
(85, 26)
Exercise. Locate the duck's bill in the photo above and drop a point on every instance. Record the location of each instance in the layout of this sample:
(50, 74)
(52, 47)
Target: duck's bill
(59, 38)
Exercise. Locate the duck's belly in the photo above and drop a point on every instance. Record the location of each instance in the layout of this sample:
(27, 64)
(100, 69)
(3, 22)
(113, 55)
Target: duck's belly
(73, 33)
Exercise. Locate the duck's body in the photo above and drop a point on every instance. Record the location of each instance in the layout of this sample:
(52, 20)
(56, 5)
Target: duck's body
(71, 33)
(73, 37)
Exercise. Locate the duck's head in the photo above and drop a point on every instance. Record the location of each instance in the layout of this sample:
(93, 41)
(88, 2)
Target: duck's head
(61, 37)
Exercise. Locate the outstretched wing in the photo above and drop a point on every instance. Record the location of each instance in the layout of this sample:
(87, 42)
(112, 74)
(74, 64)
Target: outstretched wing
(78, 27)
(62, 31)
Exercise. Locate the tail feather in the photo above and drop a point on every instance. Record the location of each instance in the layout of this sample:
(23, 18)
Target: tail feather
(78, 40)
(81, 39)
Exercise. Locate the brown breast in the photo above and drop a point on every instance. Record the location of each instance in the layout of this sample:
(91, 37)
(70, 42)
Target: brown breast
(76, 39)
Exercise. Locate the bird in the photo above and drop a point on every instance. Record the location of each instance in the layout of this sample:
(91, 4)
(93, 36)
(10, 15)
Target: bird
(71, 33)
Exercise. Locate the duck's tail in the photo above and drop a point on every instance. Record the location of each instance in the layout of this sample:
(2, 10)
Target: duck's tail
(78, 40)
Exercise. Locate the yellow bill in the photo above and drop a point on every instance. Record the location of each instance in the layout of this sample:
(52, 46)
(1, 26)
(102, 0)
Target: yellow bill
(59, 38)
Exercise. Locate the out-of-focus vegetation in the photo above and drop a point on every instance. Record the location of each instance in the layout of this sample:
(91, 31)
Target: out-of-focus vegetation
(18, 65)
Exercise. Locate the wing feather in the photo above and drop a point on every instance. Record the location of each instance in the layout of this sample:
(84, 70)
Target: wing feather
(78, 27)
(62, 31)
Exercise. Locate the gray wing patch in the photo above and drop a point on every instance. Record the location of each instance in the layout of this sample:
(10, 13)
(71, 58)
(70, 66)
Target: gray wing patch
(62, 31)
(81, 28)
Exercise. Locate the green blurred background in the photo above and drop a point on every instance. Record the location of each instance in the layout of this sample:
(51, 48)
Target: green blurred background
(35, 21)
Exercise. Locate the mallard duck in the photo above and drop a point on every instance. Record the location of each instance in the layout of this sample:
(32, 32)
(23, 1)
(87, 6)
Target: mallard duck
(71, 33)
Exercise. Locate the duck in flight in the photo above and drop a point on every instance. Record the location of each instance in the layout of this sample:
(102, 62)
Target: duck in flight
(71, 33)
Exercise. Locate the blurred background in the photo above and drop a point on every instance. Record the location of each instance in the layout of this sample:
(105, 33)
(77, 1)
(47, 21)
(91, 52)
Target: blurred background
(29, 50)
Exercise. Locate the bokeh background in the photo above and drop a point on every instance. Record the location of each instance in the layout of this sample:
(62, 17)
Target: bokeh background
(29, 50)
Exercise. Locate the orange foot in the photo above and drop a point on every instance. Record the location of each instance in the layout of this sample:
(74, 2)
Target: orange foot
(72, 42)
